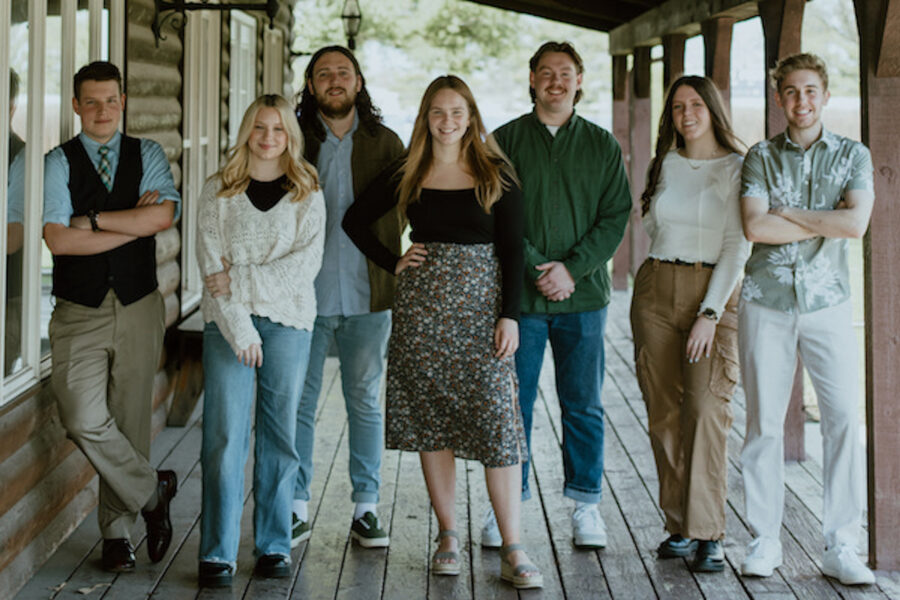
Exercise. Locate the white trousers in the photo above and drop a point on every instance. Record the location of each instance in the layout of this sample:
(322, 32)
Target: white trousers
(768, 344)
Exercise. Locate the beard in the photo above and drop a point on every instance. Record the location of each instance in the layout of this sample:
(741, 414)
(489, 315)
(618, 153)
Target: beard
(337, 107)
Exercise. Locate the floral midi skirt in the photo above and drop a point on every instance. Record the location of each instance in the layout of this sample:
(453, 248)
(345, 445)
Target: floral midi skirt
(445, 389)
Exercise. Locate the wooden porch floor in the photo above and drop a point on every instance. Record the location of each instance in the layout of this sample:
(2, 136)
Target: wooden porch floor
(330, 566)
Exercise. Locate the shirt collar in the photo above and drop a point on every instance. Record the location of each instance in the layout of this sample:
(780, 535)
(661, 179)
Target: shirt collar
(93, 147)
(329, 135)
(826, 138)
(565, 126)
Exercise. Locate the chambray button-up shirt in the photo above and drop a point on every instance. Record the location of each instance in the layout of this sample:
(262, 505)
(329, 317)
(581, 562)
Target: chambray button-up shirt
(342, 286)
(810, 274)
(57, 200)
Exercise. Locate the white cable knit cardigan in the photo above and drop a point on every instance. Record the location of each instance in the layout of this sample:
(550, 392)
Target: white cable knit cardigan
(275, 257)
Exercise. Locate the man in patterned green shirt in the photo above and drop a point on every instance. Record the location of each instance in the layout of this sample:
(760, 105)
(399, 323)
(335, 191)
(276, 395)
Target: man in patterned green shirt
(803, 194)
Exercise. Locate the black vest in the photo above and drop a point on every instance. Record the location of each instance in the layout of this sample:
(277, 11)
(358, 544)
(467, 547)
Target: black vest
(130, 270)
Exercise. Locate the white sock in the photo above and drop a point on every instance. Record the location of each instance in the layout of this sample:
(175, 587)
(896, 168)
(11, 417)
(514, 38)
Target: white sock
(362, 508)
(300, 509)
(579, 504)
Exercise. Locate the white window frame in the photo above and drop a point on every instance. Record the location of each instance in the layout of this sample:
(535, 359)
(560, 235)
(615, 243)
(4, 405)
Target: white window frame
(37, 366)
(273, 61)
(201, 132)
(241, 70)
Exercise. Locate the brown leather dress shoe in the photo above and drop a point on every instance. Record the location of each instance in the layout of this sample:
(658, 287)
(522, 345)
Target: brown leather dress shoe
(118, 555)
(159, 525)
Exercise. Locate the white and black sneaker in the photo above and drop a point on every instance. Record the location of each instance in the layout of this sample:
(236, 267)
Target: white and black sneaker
(366, 531)
(300, 530)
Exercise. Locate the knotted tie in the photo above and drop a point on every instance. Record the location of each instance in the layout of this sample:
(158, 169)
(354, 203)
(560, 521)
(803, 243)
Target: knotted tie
(105, 169)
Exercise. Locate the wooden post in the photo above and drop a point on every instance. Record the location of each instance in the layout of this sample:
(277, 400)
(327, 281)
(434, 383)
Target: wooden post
(640, 151)
(621, 125)
(782, 21)
(717, 50)
(673, 58)
(878, 22)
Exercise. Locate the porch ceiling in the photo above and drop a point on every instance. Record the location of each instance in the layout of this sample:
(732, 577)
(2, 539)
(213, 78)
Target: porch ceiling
(603, 16)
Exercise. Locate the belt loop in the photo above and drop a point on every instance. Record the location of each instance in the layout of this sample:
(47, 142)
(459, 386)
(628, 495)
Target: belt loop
(698, 266)
(655, 262)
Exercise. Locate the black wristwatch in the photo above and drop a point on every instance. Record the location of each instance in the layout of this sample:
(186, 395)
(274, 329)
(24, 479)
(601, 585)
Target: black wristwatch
(92, 215)
(710, 314)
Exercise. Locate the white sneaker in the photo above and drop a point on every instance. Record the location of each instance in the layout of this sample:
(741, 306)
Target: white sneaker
(763, 557)
(588, 528)
(843, 563)
(490, 531)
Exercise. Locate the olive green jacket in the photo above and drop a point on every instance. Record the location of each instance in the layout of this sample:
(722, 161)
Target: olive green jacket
(371, 155)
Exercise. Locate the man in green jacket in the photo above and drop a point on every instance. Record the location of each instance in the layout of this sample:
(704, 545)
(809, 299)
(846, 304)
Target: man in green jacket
(344, 138)
(577, 202)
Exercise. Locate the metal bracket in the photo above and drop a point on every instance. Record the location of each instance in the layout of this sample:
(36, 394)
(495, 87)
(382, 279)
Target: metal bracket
(177, 18)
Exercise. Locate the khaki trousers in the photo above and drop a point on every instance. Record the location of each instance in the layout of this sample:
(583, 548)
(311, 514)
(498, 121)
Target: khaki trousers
(104, 363)
(688, 405)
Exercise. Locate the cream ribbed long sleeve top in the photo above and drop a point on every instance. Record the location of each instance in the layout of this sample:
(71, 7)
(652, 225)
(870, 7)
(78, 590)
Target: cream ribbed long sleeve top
(275, 256)
(695, 215)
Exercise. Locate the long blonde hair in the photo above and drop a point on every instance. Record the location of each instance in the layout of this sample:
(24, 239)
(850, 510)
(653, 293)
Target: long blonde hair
(486, 167)
(235, 175)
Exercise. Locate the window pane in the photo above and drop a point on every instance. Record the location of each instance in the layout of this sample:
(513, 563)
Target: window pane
(18, 104)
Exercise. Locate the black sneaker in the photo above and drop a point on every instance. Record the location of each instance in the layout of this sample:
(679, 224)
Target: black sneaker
(366, 531)
(273, 566)
(214, 574)
(299, 531)
(710, 557)
(676, 546)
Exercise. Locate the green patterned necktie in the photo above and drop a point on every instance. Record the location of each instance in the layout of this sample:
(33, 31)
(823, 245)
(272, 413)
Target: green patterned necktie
(105, 169)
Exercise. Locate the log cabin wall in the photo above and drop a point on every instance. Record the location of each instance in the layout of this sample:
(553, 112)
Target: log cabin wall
(48, 486)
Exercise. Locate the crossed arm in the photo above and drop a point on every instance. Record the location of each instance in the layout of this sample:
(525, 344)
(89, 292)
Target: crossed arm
(784, 224)
(117, 227)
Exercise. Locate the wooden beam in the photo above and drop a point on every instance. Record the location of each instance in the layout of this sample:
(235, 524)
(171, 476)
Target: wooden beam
(674, 16)
(640, 152)
(673, 58)
(880, 129)
(782, 21)
(717, 49)
(621, 131)
(557, 14)
(889, 51)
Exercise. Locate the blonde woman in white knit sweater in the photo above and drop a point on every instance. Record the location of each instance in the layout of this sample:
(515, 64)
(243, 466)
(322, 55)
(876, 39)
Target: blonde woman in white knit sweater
(684, 317)
(261, 230)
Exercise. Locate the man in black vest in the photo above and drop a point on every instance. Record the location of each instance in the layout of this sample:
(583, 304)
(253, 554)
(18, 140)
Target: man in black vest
(105, 196)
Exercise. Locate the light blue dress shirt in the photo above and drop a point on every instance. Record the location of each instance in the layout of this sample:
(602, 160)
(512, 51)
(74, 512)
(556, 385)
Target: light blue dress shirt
(57, 200)
(342, 286)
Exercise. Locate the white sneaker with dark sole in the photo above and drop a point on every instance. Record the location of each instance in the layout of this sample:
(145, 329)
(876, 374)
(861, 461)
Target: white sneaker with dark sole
(490, 531)
(588, 527)
(300, 531)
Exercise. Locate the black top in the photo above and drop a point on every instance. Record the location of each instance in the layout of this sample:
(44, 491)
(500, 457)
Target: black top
(130, 269)
(266, 194)
(452, 216)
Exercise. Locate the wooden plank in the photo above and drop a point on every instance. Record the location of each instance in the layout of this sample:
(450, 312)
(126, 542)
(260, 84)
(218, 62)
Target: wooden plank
(580, 571)
(880, 124)
(782, 22)
(622, 132)
(673, 58)
(410, 552)
(674, 16)
(485, 562)
(640, 153)
(889, 47)
(458, 587)
(717, 50)
(23, 419)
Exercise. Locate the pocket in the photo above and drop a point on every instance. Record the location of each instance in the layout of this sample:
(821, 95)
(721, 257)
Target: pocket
(725, 371)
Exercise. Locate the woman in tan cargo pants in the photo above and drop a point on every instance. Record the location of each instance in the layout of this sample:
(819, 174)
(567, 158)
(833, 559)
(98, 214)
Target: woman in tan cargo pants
(684, 315)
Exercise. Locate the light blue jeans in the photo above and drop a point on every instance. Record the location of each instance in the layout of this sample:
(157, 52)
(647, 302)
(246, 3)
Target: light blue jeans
(578, 359)
(227, 406)
(361, 343)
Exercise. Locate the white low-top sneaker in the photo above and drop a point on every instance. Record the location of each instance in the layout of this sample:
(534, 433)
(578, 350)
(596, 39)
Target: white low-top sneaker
(490, 531)
(843, 563)
(588, 528)
(763, 557)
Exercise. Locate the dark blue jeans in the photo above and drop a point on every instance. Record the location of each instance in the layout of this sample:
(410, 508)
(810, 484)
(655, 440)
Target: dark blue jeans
(576, 340)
